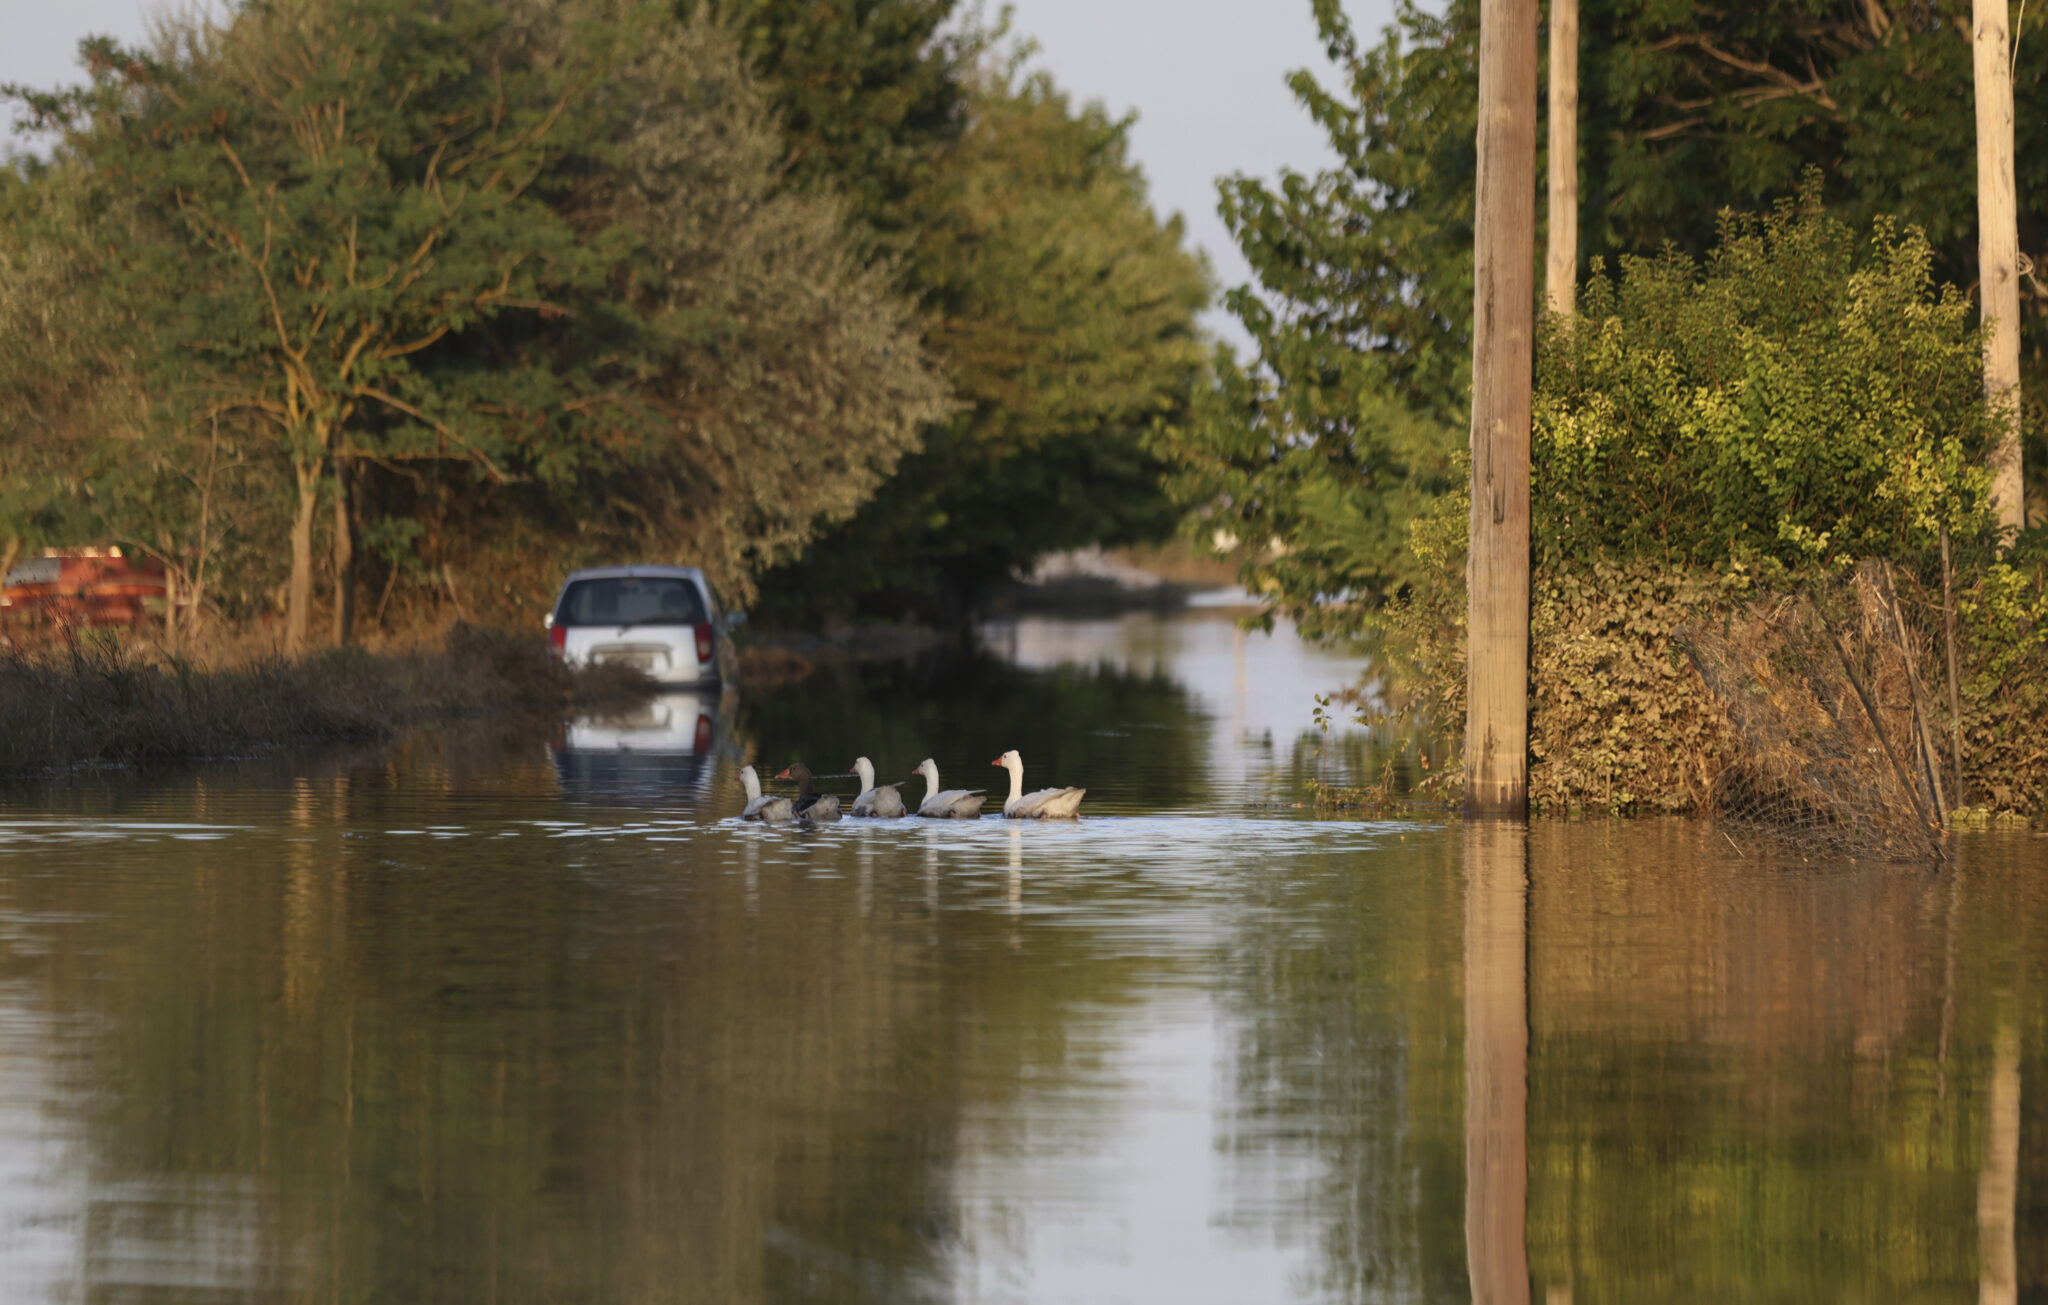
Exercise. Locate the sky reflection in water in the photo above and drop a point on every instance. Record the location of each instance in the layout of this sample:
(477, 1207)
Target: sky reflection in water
(503, 1017)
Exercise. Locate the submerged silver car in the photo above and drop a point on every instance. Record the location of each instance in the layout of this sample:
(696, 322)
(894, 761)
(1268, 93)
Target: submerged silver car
(663, 620)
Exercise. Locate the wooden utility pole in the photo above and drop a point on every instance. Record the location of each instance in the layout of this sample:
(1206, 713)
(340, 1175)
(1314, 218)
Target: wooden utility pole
(1561, 257)
(1503, 363)
(1998, 253)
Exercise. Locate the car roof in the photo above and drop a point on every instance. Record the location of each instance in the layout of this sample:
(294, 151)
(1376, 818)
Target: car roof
(619, 572)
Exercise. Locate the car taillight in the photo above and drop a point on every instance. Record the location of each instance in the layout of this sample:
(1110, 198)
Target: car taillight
(704, 645)
(703, 735)
(558, 639)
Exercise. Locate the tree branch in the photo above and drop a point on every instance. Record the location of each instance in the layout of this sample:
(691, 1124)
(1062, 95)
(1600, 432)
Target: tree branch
(440, 427)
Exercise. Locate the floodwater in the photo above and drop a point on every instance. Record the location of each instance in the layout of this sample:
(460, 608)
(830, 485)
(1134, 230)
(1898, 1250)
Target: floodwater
(497, 1016)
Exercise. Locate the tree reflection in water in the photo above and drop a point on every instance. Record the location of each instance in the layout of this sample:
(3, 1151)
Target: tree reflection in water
(414, 1025)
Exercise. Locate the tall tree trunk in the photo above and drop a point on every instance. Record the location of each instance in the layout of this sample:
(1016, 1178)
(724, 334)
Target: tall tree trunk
(1503, 361)
(171, 597)
(1561, 258)
(299, 595)
(344, 553)
(1998, 253)
(1497, 1061)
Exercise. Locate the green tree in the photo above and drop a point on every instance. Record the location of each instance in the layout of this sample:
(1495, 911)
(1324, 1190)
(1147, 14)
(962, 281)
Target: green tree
(318, 195)
(1313, 455)
(869, 93)
(1064, 310)
(1060, 306)
(530, 273)
(1317, 451)
(1802, 394)
(85, 456)
(775, 371)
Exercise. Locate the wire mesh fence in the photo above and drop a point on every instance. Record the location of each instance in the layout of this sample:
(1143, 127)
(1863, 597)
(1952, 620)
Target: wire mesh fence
(1826, 688)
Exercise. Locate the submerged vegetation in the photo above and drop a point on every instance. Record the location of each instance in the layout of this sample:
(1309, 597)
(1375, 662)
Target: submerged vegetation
(94, 705)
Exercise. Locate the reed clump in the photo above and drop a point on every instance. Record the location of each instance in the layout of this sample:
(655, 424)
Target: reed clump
(96, 703)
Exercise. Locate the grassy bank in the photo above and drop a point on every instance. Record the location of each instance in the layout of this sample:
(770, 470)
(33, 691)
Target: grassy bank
(95, 705)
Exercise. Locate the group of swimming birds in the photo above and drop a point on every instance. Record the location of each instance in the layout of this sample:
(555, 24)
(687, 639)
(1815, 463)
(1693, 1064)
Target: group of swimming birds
(885, 803)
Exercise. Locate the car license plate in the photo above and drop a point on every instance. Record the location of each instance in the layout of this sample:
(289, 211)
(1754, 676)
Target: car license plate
(638, 661)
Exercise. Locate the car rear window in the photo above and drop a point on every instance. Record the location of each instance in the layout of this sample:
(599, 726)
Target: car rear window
(631, 600)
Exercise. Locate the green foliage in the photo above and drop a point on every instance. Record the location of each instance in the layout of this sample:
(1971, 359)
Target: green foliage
(1620, 721)
(1704, 432)
(311, 198)
(1686, 110)
(2003, 623)
(1317, 452)
(1064, 312)
(1313, 455)
(870, 94)
(532, 275)
(1788, 402)
(779, 370)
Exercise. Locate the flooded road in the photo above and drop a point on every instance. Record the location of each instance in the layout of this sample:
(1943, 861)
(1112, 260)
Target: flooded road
(494, 1016)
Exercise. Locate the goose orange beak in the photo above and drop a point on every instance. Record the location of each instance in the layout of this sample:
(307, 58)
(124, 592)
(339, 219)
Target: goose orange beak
(783, 774)
(997, 762)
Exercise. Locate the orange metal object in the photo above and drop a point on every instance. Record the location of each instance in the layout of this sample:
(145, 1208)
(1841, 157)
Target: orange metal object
(78, 588)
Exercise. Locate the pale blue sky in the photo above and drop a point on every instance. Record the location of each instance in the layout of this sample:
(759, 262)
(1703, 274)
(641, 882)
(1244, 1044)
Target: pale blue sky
(1205, 76)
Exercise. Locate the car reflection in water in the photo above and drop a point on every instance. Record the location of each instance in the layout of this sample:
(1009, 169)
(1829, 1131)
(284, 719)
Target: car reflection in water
(662, 749)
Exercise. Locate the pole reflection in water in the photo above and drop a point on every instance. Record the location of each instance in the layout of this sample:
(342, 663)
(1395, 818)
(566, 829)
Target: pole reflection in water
(1998, 1184)
(1496, 1061)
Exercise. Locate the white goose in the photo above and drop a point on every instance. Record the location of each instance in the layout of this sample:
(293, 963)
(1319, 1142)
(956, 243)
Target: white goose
(884, 803)
(772, 809)
(1045, 804)
(953, 803)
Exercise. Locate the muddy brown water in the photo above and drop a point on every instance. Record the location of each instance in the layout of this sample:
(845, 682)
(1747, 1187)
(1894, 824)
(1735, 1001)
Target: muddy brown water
(499, 1016)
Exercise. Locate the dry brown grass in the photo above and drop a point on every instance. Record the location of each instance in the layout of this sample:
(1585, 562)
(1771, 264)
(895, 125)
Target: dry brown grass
(97, 704)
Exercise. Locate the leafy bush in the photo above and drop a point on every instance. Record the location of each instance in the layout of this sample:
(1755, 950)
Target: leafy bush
(1706, 433)
(1789, 403)
(1618, 718)
(2003, 632)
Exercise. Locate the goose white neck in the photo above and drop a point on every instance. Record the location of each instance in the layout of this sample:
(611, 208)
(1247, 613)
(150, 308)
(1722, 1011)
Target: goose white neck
(752, 781)
(866, 770)
(1016, 769)
(930, 771)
